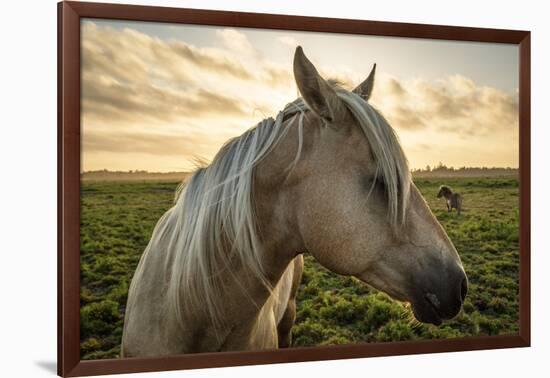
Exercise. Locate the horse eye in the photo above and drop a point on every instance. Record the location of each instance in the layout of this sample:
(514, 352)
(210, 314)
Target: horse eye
(376, 181)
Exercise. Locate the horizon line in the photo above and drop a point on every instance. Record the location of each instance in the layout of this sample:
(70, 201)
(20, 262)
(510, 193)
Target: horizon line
(434, 168)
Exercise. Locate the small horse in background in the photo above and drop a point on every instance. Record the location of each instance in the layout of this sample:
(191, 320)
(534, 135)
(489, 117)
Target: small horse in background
(454, 200)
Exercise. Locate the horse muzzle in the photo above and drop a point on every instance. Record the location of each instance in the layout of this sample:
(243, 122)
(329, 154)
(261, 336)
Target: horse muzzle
(435, 302)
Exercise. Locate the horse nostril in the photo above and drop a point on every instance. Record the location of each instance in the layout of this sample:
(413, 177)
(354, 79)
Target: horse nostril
(463, 289)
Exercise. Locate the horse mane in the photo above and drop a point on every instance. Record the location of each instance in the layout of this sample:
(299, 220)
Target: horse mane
(213, 220)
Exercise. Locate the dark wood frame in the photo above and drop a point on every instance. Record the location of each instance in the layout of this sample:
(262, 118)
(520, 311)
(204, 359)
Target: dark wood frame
(69, 15)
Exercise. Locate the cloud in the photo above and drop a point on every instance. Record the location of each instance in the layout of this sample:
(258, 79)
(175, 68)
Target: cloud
(278, 76)
(288, 40)
(395, 88)
(202, 59)
(407, 118)
(129, 76)
(110, 100)
(236, 41)
(133, 56)
(454, 104)
(144, 143)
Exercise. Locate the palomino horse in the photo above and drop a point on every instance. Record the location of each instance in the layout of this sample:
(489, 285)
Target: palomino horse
(327, 176)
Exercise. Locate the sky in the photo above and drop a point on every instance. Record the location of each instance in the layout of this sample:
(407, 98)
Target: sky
(157, 97)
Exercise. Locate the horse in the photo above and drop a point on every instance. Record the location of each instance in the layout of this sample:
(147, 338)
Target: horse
(326, 177)
(453, 200)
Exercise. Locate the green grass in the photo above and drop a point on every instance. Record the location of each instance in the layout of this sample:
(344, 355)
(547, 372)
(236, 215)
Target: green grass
(117, 219)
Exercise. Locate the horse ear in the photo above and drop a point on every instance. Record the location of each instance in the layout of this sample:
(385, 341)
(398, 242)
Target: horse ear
(365, 88)
(317, 93)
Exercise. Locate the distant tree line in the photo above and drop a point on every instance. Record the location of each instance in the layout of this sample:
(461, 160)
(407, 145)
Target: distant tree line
(443, 170)
(132, 174)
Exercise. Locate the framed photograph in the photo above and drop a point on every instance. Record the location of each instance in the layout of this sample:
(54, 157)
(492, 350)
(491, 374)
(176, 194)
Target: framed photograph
(240, 188)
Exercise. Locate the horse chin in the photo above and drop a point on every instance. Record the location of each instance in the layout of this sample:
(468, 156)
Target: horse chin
(425, 312)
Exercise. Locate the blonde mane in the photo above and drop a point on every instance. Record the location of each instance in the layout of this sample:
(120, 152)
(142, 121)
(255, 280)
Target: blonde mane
(213, 221)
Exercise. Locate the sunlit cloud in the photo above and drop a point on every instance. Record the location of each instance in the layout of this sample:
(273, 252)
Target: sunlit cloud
(236, 41)
(288, 40)
(113, 101)
(452, 105)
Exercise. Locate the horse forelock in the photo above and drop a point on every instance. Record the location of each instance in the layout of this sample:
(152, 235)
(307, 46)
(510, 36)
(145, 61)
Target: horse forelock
(391, 164)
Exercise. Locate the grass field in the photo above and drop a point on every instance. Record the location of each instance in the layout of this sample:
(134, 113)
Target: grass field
(117, 219)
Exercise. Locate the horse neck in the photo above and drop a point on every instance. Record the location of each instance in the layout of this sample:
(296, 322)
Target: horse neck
(244, 293)
(274, 193)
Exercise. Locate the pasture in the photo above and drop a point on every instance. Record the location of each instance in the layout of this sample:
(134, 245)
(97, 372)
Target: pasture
(118, 217)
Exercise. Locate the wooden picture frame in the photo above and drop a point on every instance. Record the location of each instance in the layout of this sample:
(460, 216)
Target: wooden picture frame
(69, 16)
